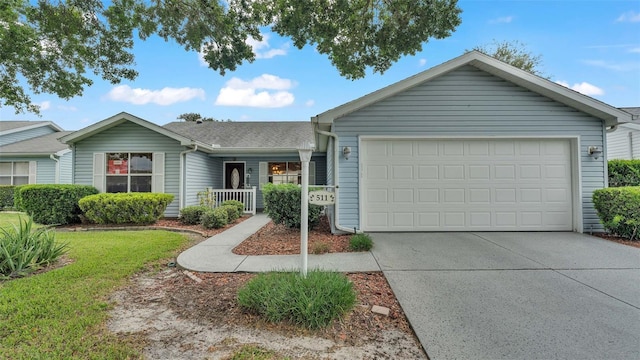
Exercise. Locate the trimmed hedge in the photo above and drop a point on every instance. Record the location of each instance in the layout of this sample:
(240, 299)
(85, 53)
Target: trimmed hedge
(232, 212)
(6, 196)
(237, 204)
(619, 210)
(191, 215)
(215, 218)
(282, 205)
(125, 208)
(624, 173)
(52, 204)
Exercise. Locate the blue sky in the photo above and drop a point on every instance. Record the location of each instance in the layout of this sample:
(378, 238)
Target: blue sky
(591, 46)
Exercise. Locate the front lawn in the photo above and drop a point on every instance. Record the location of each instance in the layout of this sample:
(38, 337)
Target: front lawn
(9, 219)
(60, 314)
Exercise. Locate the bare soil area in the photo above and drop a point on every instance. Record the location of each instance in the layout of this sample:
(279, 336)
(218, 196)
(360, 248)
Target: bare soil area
(178, 317)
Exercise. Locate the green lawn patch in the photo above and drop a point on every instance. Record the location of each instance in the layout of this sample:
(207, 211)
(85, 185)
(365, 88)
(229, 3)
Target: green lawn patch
(9, 219)
(60, 314)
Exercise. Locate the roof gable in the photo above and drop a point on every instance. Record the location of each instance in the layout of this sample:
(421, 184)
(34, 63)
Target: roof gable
(121, 118)
(41, 145)
(534, 83)
(10, 127)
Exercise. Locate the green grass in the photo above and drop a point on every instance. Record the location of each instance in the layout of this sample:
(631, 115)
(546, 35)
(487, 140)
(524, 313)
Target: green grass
(60, 314)
(360, 242)
(8, 219)
(312, 302)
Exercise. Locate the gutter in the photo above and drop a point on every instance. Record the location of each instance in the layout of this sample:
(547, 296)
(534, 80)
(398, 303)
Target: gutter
(336, 178)
(57, 171)
(181, 187)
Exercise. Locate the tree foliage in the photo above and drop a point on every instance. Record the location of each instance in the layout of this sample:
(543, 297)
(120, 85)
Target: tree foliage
(514, 53)
(194, 117)
(52, 46)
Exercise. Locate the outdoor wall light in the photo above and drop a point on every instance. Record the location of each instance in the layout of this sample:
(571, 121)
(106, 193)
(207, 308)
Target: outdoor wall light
(594, 152)
(346, 151)
(250, 170)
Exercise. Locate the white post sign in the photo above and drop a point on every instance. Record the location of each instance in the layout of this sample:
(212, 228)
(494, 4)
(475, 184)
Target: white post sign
(305, 156)
(322, 197)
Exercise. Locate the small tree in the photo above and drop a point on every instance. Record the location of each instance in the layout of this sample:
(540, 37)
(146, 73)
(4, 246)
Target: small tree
(513, 53)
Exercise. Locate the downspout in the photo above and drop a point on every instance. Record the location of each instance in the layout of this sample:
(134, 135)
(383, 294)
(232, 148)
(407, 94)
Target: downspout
(336, 178)
(56, 177)
(183, 162)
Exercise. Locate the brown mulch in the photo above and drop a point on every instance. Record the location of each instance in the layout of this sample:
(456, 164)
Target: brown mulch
(618, 239)
(194, 301)
(275, 239)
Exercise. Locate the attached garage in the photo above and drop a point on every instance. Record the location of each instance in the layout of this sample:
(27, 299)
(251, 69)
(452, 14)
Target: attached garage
(466, 184)
(473, 144)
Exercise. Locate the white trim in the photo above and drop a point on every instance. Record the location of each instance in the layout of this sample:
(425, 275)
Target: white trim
(574, 158)
(224, 171)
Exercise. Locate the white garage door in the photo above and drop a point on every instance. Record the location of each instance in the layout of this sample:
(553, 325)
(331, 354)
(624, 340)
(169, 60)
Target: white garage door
(460, 185)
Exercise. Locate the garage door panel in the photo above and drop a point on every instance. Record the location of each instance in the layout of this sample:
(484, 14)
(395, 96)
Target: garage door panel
(456, 185)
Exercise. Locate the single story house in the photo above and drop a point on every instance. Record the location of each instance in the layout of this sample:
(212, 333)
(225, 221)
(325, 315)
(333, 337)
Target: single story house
(30, 153)
(126, 153)
(624, 141)
(473, 144)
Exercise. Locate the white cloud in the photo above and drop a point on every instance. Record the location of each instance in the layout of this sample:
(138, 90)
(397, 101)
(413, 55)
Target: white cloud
(165, 96)
(583, 88)
(422, 62)
(45, 105)
(629, 66)
(309, 103)
(629, 16)
(67, 108)
(501, 20)
(238, 92)
(261, 49)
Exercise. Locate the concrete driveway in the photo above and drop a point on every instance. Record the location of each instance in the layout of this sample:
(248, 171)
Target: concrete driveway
(516, 295)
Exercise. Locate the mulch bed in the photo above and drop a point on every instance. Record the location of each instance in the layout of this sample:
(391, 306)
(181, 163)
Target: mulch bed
(275, 239)
(618, 239)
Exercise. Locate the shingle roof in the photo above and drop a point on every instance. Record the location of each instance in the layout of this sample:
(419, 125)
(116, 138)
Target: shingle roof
(8, 126)
(247, 135)
(45, 145)
(631, 110)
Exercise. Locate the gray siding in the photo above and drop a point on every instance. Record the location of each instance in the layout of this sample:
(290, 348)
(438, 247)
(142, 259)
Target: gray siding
(253, 162)
(65, 163)
(468, 102)
(46, 173)
(624, 143)
(202, 172)
(24, 135)
(129, 137)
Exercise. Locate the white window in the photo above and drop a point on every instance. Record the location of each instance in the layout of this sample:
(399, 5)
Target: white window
(129, 172)
(17, 172)
(285, 172)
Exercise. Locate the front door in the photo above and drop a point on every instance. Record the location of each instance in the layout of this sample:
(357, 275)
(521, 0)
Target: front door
(234, 175)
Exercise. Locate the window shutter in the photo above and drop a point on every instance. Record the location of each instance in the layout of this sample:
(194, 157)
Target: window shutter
(98, 171)
(33, 168)
(157, 183)
(263, 176)
(312, 173)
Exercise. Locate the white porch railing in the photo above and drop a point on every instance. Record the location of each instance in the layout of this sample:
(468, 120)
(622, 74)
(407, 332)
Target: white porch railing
(245, 196)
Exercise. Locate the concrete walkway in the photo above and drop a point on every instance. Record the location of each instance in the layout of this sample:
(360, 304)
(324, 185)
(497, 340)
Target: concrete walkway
(215, 255)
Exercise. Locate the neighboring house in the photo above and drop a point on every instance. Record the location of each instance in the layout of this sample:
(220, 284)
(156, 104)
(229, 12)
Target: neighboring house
(30, 153)
(624, 141)
(126, 153)
(473, 144)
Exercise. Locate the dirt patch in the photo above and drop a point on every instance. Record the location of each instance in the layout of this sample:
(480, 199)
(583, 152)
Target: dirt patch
(618, 239)
(184, 319)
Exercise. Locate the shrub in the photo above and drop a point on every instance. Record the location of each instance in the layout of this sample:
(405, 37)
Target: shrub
(238, 204)
(23, 250)
(125, 208)
(319, 248)
(215, 218)
(191, 215)
(624, 173)
(232, 212)
(282, 205)
(360, 242)
(52, 204)
(312, 302)
(6, 196)
(619, 210)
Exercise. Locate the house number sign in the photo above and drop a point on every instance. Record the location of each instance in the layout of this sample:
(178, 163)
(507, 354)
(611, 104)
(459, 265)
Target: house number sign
(322, 197)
